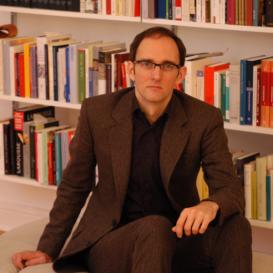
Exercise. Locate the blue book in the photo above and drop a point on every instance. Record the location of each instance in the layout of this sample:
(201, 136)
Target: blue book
(246, 88)
(67, 76)
(91, 82)
(58, 158)
(161, 9)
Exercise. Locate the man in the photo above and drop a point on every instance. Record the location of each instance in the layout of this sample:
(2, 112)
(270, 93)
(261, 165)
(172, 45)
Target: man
(145, 215)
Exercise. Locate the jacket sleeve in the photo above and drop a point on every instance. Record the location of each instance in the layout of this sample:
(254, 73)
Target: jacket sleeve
(224, 187)
(77, 182)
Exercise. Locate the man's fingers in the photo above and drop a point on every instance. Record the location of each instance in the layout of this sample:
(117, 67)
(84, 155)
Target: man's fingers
(204, 225)
(18, 262)
(38, 260)
(188, 224)
(196, 225)
(179, 227)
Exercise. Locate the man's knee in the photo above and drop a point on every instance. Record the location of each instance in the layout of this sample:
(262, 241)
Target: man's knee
(239, 227)
(157, 228)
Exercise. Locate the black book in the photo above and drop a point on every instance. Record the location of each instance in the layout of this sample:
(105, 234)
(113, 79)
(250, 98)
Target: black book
(6, 132)
(241, 161)
(268, 18)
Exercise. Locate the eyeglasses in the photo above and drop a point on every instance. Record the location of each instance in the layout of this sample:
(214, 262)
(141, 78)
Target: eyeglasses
(149, 65)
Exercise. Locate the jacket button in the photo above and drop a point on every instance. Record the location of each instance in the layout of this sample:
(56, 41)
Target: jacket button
(114, 222)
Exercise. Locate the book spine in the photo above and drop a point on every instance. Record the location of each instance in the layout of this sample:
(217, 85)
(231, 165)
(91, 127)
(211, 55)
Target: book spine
(243, 92)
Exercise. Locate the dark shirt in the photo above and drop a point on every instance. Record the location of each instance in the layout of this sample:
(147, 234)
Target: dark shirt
(146, 194)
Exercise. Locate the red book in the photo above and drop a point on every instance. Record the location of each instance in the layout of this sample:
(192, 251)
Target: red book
(209, 80)
(249, 12)
(51, 157)
(265, 96)
(271, 97)
(231, 12)
(119, 59)
(123, 75)
(21, 74)
(137, 8)
(108, 7)
(16, 73)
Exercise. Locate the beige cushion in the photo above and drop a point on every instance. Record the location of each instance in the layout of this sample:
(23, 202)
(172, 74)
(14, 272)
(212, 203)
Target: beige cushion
(22, 238)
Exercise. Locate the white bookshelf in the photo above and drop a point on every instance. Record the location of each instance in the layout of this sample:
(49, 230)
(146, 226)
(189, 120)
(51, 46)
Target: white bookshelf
(26, 181)
(40, 101)
(209, 26)
(248, 128)
(68, 14)
(261, 224)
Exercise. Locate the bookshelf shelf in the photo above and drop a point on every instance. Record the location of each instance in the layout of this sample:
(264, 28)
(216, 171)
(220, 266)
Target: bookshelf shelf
(40, 101)
(211, 26)
(261, 224)
(248, 128)
(25, 181)
(69, 14)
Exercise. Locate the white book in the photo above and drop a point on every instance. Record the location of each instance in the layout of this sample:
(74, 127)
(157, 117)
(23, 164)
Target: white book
(198, 11)
(261, 188)
(200, 89)
(248, 169)
(203, 13)
(113, 7)
(218, 88)
(222, 11)
(61, 74)
(192, 67)
(234, 91)
(177, 11)
(73, 73)
(103, 7)
(186, 11)
(1, 69)
(42, 42)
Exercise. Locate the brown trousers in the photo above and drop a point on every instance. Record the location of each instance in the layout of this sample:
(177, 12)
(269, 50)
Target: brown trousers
(148, 245)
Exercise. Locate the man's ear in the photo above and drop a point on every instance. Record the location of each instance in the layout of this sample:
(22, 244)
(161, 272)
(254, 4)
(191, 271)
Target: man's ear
(181, 73)
(131, 70)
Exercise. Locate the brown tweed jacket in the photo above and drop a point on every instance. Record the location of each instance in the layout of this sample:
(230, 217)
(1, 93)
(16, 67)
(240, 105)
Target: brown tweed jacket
(193, 135)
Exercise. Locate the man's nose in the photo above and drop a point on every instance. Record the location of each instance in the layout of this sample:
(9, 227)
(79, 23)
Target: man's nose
(156, 72)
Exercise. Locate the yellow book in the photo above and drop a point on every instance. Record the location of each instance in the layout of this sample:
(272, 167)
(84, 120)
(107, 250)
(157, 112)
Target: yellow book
(27, 69)
(202, 187)
(254, 195)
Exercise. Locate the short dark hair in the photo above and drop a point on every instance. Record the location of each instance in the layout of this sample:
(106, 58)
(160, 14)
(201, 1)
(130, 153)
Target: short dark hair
(160, 32)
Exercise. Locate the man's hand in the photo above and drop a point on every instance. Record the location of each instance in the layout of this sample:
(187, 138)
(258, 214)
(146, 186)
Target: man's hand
(27, 258)
(195, 219)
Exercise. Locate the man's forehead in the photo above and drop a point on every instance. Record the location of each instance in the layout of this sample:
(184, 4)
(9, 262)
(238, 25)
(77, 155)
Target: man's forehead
(151, 46)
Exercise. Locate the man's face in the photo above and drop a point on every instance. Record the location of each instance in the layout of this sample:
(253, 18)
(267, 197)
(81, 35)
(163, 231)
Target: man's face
(156, 85)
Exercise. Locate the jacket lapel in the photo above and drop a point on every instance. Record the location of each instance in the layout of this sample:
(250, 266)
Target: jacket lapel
(173, 142)
(121, 144)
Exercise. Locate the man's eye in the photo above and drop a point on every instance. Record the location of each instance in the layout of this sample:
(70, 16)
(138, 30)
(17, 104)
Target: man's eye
(168, 66)
(147, 64)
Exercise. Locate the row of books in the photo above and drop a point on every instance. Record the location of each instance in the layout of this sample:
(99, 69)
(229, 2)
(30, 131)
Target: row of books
(103, 7)
(33, 144)
(69, 5)
(256, 175)
(60, 68)
(258, 186)
(242, 91)
(239, 12)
